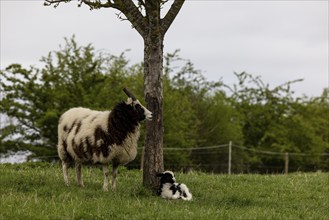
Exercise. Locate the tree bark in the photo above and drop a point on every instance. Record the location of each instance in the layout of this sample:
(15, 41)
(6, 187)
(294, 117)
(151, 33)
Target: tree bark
(153, 65)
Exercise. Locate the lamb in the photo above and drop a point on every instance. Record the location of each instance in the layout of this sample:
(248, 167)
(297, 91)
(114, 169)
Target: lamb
(88, 136)
(169, 189)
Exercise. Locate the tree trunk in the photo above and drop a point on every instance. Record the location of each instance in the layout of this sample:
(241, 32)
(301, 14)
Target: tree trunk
(153, 65)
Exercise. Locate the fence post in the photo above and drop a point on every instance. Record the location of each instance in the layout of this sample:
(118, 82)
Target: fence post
(142, 158)
(286, 163)
(229, 157)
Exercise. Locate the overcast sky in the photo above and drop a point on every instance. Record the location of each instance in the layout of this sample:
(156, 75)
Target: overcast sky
(277, 40)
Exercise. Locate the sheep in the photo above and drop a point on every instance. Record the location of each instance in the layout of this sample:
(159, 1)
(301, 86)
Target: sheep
(88, 136)
(169, 189)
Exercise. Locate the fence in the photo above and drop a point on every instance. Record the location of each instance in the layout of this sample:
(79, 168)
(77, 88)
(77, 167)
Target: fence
(227, 158)
(224, 157)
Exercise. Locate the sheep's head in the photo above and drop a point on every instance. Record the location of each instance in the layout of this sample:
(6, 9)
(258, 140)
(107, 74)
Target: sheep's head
(142, 112)
(166, 177)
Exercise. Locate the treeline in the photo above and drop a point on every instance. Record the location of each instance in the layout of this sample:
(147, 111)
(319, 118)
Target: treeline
(197, 113)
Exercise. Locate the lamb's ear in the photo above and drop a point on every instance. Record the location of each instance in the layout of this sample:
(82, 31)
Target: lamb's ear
(159, 174)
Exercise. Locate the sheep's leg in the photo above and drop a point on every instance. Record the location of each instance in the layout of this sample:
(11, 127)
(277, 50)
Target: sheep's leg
(106, 178)
(78, 171)
(65, 172)
(114, 175)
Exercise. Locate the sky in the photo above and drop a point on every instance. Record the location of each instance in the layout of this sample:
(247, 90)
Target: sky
(280, 41)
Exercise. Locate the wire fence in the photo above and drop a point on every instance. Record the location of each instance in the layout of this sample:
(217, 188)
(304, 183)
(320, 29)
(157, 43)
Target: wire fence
(229, 158)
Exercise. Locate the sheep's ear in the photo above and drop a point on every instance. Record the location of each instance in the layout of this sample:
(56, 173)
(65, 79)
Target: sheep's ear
(129, 101)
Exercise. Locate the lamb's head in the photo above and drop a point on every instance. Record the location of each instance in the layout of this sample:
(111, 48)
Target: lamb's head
(138, 110)
(166, 177)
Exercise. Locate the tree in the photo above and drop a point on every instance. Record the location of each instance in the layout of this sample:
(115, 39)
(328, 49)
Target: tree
(34, 99)
(308, 130)
(273, 120)
(146, 19)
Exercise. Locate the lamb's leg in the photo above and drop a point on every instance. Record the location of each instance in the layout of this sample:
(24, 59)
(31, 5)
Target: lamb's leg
(78, 171)
(65, 172)
(114, 175)
(106, 178)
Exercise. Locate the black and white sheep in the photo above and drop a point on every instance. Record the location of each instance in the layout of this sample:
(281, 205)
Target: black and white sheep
(88, 136)
(169, 189)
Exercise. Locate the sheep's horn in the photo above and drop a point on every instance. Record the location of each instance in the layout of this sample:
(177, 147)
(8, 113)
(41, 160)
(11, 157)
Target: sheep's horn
(129, 94)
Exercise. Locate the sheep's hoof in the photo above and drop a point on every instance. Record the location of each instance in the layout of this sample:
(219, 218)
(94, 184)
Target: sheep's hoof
(81, 185)
(105, 189)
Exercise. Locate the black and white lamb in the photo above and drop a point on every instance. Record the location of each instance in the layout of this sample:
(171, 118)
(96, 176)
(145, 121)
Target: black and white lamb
(88, 136)
(169, 189)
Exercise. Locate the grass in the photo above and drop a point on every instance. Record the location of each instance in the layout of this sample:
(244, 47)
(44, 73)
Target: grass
(37, 191)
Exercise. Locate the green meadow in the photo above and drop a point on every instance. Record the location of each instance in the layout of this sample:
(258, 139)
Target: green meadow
(37, 191)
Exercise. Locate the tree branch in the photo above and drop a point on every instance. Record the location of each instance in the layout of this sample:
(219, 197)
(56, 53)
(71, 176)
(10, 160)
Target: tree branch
(127, 7)
(171, 15)
(56, 2)
(96, 4)
(131, 11)
(141, 3)
(93, 4)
